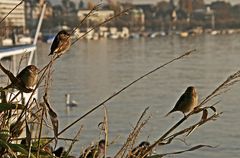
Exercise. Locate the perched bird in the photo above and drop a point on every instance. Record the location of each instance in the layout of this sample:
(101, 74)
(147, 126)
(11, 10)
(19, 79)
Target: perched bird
(187, 102)
(70, 103)
(59, 152)
(96, 151)
(27, 79)
(61, 43)
(140, 150)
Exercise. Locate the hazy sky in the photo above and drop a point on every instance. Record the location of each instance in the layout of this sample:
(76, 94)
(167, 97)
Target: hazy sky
(206, 1)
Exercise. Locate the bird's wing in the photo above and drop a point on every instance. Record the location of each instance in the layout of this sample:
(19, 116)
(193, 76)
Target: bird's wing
(180, 102)
(22, 73)
(54, 45)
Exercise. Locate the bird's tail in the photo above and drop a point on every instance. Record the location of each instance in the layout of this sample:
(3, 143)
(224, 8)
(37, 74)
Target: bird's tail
(169, 113)
(51, 53)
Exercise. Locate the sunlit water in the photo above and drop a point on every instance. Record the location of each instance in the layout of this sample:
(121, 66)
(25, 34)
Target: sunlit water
(94, 70)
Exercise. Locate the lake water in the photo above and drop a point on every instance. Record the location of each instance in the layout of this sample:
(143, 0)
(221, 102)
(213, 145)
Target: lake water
(94, 70)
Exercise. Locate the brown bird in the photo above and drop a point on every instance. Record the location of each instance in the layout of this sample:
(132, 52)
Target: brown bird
(61, 43)
(27, 79)
(187, 102)
(96, 151)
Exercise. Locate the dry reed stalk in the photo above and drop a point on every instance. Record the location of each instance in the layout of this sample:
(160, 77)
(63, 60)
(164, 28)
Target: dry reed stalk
(11, 11)
(222, 88)
(132, 135)
(28, 138)
(132, 141)
(106, 130)
(44, 75)
(76, 138)
(180, 152)
(231, 80)
(40, 133)
(87, 16)
(121, 90)
(41, 78)
(46, 138)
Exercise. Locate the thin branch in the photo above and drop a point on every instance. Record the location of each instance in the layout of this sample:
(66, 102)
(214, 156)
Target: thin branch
(190, 128)
(124, 88)
(106, 130)
(44, 69)
(15, 81)
(11, 11)
(47, 138)
(180, 152)
(131, 137)
(72, 143)
(88, 15)
(228, 82)
(40, 133)
(232, 79)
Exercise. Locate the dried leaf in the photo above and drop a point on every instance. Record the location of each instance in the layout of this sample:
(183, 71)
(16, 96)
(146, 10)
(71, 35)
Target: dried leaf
(53, 118)
(3, 96)
(28, 135)
(101, 126)
(15, 81)
(5, 145)
(213, 109)
(10, 106)
(180, 152)
(16, 129)
(42, 105)
(12, 78)
(204, 115)
(191, 130)
(19, 148)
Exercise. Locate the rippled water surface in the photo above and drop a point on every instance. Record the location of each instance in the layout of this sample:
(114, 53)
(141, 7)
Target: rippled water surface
(94, 70)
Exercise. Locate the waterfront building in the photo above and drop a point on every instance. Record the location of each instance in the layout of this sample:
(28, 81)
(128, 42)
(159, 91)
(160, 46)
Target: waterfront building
(98, 16)
(33, 10)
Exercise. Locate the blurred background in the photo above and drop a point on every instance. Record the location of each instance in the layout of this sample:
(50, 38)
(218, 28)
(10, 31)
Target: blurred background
(146, 18)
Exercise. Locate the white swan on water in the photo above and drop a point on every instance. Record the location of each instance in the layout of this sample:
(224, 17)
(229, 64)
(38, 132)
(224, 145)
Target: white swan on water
(70, 103)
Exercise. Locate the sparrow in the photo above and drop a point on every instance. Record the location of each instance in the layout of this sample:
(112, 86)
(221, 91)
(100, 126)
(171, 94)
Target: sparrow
(61, 43)
(140, 150)
(187, 102)
(96, 151)
(27, 79)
